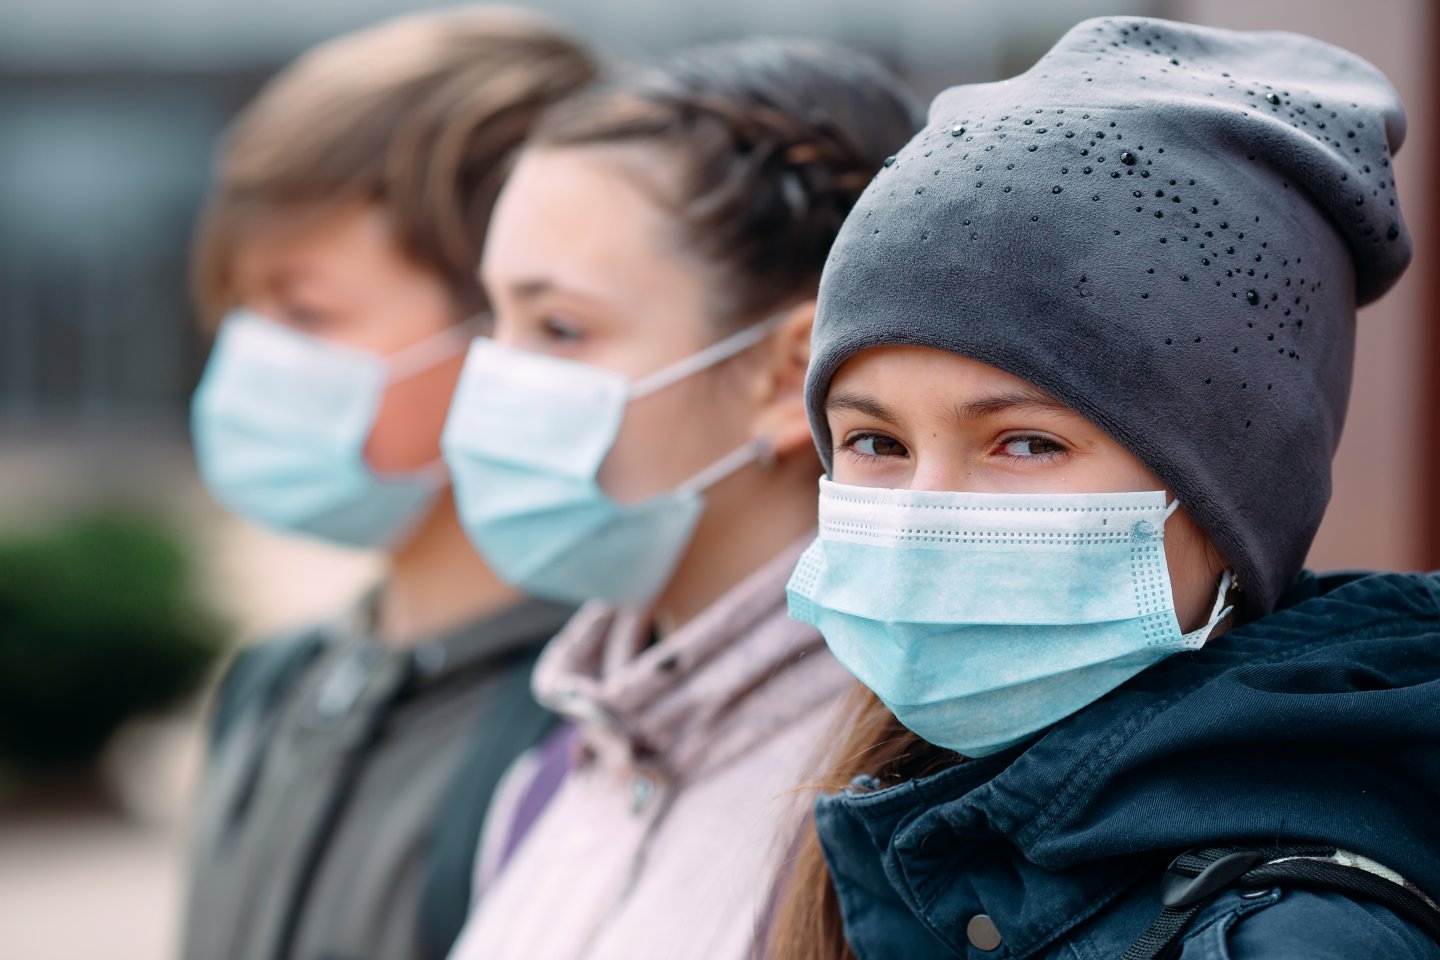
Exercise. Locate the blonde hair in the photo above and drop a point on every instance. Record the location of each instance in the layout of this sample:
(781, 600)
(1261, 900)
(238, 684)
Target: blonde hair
(418, 115)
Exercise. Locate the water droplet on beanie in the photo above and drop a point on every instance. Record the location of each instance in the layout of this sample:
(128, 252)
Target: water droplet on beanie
(890, 161)
(1252, 297)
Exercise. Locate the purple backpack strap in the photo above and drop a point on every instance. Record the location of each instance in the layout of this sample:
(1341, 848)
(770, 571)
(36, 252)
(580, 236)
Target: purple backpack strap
(556, 760)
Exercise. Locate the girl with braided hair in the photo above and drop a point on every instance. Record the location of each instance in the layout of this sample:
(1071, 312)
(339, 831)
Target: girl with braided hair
(634, 435)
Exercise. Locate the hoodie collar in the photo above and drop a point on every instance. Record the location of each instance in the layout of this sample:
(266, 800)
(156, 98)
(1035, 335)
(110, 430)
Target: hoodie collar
(665, 704)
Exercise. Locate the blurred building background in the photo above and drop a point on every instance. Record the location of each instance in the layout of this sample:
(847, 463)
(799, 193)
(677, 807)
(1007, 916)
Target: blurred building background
(108, 118)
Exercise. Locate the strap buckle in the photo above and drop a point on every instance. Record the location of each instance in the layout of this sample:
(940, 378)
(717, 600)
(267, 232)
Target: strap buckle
(1180, 888)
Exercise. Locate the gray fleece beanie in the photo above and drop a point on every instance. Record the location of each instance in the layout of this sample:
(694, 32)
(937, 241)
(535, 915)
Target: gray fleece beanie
(1166, 227)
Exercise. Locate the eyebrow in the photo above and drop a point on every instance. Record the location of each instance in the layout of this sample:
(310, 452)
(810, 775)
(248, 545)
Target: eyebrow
(1021, 399)
(537, 288)
(531, 289)
(861, 403)
(966, 412)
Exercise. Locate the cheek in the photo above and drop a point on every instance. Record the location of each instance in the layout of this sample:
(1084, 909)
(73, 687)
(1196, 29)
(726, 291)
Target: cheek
(406, 433)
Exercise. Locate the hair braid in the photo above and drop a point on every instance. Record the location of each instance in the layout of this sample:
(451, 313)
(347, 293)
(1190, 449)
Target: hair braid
(776, 141)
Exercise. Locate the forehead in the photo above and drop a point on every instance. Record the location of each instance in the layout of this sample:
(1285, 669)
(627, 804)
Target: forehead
(903, 371)
(315, 239)
(579, 212)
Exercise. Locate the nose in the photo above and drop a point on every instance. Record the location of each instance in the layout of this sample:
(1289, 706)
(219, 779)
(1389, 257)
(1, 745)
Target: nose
(504, 329)
(939, 474)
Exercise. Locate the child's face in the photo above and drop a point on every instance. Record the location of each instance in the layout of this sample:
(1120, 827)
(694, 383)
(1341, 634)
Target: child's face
(342, 278)
(580, 262)
(914, 418)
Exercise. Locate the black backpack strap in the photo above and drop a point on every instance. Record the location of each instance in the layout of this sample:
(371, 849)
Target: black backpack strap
(450, 859)
(1197, 876)
(258, 677)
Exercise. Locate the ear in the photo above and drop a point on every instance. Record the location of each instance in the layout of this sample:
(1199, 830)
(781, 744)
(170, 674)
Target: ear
(780, 417)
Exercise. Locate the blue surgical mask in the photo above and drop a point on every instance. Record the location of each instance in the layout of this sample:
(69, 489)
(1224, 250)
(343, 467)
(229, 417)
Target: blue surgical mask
(982, 619)
(526, 437)
(280, 421)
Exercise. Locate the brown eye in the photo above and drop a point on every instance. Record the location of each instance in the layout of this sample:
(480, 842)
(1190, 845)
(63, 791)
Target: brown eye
(877, 445)
(1031, 447)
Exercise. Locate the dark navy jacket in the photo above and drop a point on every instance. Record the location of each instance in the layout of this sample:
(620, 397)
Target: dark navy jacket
(1320, 722)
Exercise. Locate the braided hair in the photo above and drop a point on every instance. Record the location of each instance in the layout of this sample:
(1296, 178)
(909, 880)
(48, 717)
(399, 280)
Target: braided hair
(775, 141)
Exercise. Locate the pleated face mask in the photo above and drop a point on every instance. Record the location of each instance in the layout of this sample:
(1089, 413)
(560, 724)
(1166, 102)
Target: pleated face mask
(280, 421)
(982, 619)
(525, 441)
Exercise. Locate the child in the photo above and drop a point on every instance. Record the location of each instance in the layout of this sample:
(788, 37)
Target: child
(1080, 365)
(636, 435)
(351, 763)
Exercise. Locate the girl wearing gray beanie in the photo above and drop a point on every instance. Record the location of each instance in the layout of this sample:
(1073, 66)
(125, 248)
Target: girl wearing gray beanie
(1079, 367)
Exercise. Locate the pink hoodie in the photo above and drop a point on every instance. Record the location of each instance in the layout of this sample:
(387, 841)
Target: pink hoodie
(665, 838)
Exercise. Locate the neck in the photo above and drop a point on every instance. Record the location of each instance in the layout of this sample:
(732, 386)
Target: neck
(749, 518)
(436, 582)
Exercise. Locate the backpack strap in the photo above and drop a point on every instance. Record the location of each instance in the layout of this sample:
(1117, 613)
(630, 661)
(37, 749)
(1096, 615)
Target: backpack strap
(257, 678)
(450, 856)
(1197, 876)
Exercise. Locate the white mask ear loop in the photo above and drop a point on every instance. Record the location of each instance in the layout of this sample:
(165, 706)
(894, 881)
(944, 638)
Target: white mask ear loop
(733, 461)
(717, 352)
(1196, 639)
(421, 356)
(432, 351)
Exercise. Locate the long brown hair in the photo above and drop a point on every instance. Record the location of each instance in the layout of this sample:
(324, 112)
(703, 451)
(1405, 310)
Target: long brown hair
(774, 140)
(869, 743)
(419, 115)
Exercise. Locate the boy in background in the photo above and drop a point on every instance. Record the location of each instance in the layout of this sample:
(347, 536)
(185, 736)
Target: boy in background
(351, 763)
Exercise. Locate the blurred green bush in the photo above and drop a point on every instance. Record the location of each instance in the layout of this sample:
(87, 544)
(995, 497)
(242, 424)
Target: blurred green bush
(99, 622)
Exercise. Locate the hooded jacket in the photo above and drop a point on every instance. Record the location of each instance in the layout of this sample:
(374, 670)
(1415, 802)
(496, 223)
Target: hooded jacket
(1319, 723)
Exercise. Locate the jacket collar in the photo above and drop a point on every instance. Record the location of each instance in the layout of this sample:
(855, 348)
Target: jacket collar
(1307, 709)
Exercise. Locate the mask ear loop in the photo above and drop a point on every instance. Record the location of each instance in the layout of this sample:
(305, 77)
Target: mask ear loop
(421, 356)
(432, 351)
(718, 352)
(731, 463)
(1218, 612)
